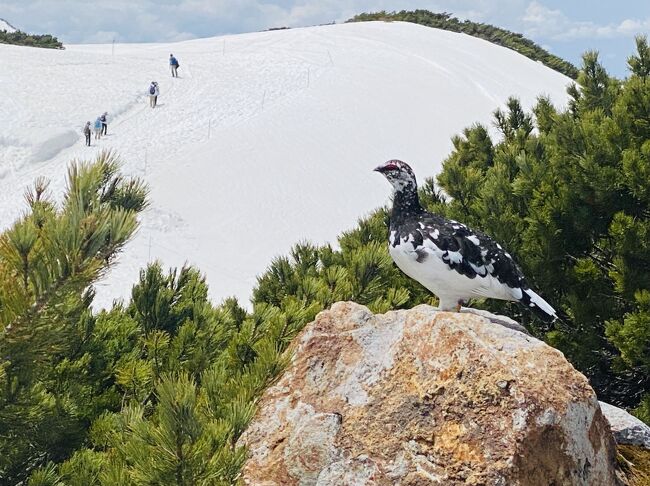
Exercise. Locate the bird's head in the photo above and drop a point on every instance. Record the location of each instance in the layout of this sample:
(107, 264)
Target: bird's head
(399, 174)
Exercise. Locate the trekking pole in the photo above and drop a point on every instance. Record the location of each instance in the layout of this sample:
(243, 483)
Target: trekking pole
(330, 56)
(263, 98)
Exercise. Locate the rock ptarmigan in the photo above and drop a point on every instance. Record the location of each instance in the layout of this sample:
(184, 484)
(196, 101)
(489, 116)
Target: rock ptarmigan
(448, 258)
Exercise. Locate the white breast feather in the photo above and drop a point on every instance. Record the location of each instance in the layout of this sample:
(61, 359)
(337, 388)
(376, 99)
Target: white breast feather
(445, 282)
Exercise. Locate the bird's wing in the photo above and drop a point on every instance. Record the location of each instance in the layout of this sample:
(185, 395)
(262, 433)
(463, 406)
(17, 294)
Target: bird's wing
(470, 253)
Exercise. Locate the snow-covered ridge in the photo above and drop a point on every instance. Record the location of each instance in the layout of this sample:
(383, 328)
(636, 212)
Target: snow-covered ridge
(264, 139)
(6, 26)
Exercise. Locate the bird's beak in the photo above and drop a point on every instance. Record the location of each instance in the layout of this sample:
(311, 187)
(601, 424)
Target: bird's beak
(379, 169)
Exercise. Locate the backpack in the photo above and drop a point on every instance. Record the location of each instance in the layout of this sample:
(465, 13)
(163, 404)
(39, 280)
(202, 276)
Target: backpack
(152, 90)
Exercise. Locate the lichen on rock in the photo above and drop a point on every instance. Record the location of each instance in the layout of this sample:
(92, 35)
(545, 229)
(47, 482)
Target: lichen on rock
(418, 397)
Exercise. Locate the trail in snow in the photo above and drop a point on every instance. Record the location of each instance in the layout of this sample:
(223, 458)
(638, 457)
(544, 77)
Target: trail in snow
(264, 139)
(59, 91)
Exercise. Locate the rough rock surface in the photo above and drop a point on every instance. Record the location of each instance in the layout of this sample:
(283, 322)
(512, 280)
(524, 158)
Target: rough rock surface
(423, 397)
(627, 429)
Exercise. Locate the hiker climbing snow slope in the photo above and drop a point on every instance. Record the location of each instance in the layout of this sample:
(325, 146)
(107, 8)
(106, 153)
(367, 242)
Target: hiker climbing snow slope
(154, 91)
(174, 65)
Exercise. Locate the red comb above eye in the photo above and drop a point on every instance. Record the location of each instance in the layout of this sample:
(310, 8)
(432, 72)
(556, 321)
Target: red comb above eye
(390, 165)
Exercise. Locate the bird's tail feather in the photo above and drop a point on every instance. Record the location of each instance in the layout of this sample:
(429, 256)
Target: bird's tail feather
(538, 305)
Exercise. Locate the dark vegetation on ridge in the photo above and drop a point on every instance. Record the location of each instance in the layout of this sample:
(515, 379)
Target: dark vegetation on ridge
(20, 38)
(157, 390)
(496, 35)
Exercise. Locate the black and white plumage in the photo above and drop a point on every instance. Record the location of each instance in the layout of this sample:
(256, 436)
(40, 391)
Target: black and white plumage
(448, 258)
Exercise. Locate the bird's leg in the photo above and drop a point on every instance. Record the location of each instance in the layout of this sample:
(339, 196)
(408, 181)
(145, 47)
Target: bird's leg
(449, 304)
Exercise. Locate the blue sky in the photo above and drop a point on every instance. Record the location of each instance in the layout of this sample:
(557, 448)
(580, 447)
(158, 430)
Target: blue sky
(566, 28)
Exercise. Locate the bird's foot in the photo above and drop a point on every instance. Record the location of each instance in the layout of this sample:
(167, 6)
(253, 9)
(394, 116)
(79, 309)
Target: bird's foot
(450, 305)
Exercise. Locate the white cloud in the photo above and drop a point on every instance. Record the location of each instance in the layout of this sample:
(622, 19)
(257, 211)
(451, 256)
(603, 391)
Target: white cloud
(626, 28)
(538, 14)
(101, 37)
(541, 21)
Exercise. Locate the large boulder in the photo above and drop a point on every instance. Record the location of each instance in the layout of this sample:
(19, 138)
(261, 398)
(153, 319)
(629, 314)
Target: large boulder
(420, 397)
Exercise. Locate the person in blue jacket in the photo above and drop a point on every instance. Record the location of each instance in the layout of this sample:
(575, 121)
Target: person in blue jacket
(98, 129)
(173, 64)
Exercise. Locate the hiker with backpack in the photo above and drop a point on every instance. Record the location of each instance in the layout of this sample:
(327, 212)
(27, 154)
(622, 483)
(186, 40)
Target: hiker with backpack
(154, 91)
(104, 120)
(87, 133)
(98, 129)
(174, 65)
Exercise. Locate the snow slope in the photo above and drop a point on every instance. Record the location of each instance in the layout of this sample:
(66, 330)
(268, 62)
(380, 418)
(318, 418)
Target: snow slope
(6, 26)
(265, 139)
